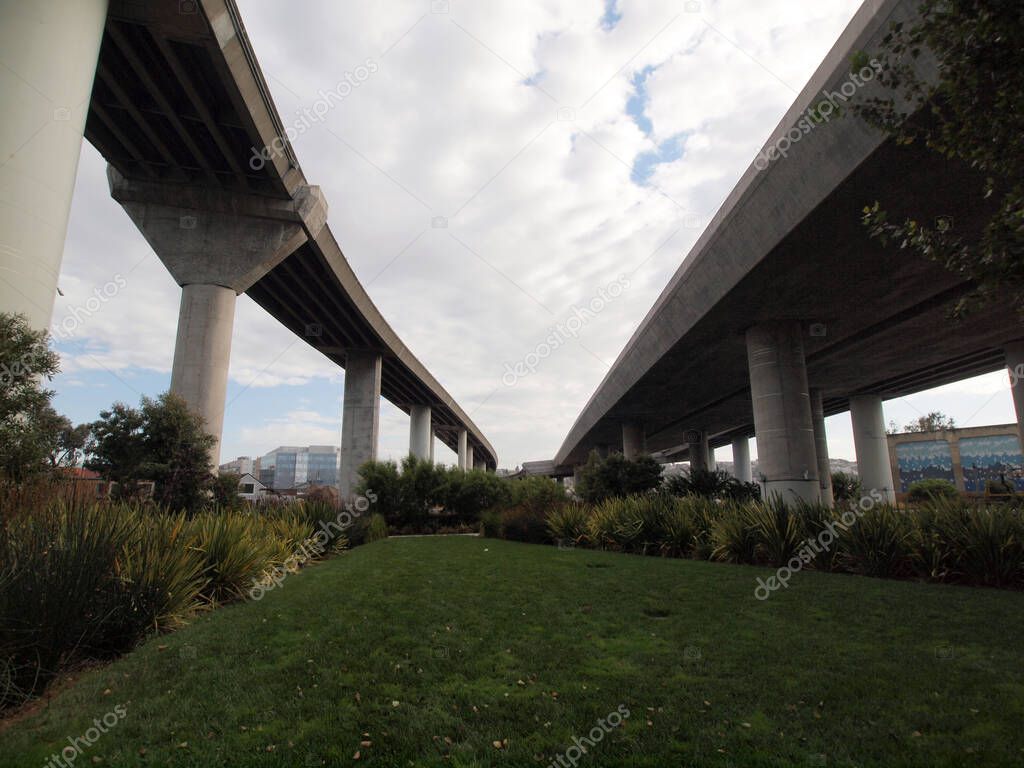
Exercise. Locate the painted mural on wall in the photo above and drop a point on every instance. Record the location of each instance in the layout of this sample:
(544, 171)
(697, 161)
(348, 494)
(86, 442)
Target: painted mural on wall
(924, 460)
(991, 458)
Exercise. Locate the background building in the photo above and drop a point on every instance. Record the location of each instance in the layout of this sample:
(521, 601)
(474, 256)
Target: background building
(289, 466)
(243, 465)
(968, 458)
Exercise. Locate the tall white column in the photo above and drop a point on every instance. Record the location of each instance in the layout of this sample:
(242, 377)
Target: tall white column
(633, 439)
(741, 459)
(420, 432)
(786, 454)
(872, 445)
(470, 462)
(821, 448)
(202, 353)
(48, 54)
(1015, 365)
(360, 418)
(463, 446)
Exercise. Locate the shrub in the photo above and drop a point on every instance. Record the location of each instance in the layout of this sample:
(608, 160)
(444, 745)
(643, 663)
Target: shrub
(568, 522)
(616, 476)
(878, 544)
(466, 494)
(680, 528)
(814, 520)
(525, 524)
(377, 529)
(712, 484)
(733, 535)
(777, 530)
(845, 487)
(931, 488)
(540, 494)
(490, 523)
(617, 523)
(235, 551)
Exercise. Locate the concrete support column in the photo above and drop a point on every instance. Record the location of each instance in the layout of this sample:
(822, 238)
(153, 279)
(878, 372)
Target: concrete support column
(470, 463)
(48, 54)
(700, 452)
(420, 432)
(633, 439)
(463, 446)
(872, 445)
(202, 352)
(1015, 365)
(786, 454)
(741, 459)
(821, 448)
(360, 418)
(480, 464)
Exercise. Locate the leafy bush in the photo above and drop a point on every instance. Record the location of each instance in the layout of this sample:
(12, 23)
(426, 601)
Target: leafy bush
(525, 524)
(712, 484)
(733, 535)
(846, 487)
(490, 523)
(616, 476)
(680, 527)
(931, 488)
(377, 529)
(616, 523)
(236, 552)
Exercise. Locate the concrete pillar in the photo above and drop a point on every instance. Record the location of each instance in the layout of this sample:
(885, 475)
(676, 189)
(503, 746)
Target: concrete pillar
(480, 464)
(633, 439)
(202, 352)
(821, 448)
(420, 432)
(872, 445)
(360, 418)
(741, 459)
(470, 463)
(1015, 365)
(700, 452)
(48, 54)
(786, 455)
(463, 446)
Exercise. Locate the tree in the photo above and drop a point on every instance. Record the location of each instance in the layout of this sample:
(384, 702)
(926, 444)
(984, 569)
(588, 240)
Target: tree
(225, 490)
(936, 421)
(973, 114)
(162, 441)
(602, 478)
(29, 427)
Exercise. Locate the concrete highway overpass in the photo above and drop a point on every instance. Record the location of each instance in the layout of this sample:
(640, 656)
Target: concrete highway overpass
(171, 94)
(786, 311)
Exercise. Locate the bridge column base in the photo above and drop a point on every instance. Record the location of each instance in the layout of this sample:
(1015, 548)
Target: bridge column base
(872, 446)
(821, 449)
(421, 436)
(786, 454)
(360, 418)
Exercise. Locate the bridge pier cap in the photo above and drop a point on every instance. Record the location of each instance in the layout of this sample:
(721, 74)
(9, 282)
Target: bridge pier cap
(215, 244)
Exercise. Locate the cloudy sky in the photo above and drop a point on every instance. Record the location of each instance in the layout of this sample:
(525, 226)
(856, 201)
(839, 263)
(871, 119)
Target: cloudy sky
(564, 143)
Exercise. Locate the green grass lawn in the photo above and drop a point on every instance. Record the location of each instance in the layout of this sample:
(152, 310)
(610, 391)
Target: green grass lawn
(432, 649)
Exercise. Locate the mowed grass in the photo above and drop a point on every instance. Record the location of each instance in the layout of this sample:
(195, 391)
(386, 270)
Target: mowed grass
(432, 649)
